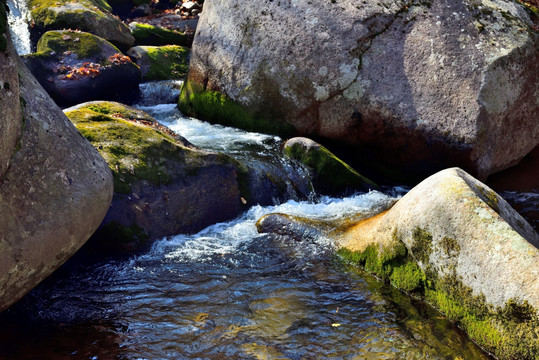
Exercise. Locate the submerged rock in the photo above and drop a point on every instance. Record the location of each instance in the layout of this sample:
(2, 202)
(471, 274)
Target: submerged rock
(76, 66)
(330, 175)
(454, 241)
(55, 190)
(418, 85)
(87, 15)
(161, 62)
(163, 186)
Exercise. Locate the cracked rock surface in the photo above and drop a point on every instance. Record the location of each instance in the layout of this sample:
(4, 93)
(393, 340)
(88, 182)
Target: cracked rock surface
(421, 84)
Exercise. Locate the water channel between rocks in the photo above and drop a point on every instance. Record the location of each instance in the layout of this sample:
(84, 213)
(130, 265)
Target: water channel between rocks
(228, 292)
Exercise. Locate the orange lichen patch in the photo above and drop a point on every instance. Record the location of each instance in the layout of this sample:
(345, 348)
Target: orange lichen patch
(364, 233)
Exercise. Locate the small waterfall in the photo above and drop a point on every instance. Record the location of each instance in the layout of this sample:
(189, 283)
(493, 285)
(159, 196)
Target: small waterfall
(159, 92)
(18, 19)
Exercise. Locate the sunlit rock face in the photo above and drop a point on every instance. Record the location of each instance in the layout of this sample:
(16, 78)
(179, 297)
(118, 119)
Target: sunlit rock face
(419, 85)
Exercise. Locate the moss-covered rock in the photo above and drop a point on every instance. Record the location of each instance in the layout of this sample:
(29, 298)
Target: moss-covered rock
(75, 66)
(93, 16)
(216, 107)
(146, 34)
(478, 260)
(329, 173)
(161, 62)
(162, 185)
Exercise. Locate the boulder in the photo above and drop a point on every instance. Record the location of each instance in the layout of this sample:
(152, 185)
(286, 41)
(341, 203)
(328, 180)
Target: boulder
(329, 174)
(55, 189)
(161, 62)
(75, 66)
(163, 186)
(147, 34)
(419, 85)
(93, 16)
(458, 244)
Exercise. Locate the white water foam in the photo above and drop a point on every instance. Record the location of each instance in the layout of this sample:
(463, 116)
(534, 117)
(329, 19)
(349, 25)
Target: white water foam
(227, 238)
(18, 19)
(205, 135)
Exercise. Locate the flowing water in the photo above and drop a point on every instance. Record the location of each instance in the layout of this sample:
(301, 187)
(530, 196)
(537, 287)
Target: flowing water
(18, 19)
(229, 292)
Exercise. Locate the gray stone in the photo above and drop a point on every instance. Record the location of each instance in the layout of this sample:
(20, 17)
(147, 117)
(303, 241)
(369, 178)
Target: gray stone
(55, 192)
(421, 85)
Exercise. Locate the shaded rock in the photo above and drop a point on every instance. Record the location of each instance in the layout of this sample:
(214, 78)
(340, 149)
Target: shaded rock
(75, 66)
(140, 11)
(146, 34)
(415, 84)
(123, 8)
(330, 175)
(56, 189)
(161, 62)
(162, 185)
(87, 15)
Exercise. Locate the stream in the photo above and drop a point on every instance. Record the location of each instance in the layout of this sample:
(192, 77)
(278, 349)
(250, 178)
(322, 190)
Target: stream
(228, 292)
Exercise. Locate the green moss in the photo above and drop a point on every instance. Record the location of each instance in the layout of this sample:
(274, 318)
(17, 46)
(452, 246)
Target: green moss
(146, 34)
(216, 107)
(422, 245)
(87, 45)
(331, 172)
(167, 62)
(450, 246)
(509, 332)
(133, 152)
(408, 277)
(3, 26)
(391, 264)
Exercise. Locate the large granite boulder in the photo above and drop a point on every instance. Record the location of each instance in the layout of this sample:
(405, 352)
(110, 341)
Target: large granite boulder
(421, 85)
(75, 66)
(93, 16)
(456, 242)
(55, 189)
(163, 186)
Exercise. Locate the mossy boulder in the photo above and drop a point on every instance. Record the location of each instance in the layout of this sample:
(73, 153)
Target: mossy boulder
(330, 175)
(55, 189)
(460, 246)
(75, 66)
(93, 16)
(162, 185)
(161, 62)
(478, 258)
(147, 34)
